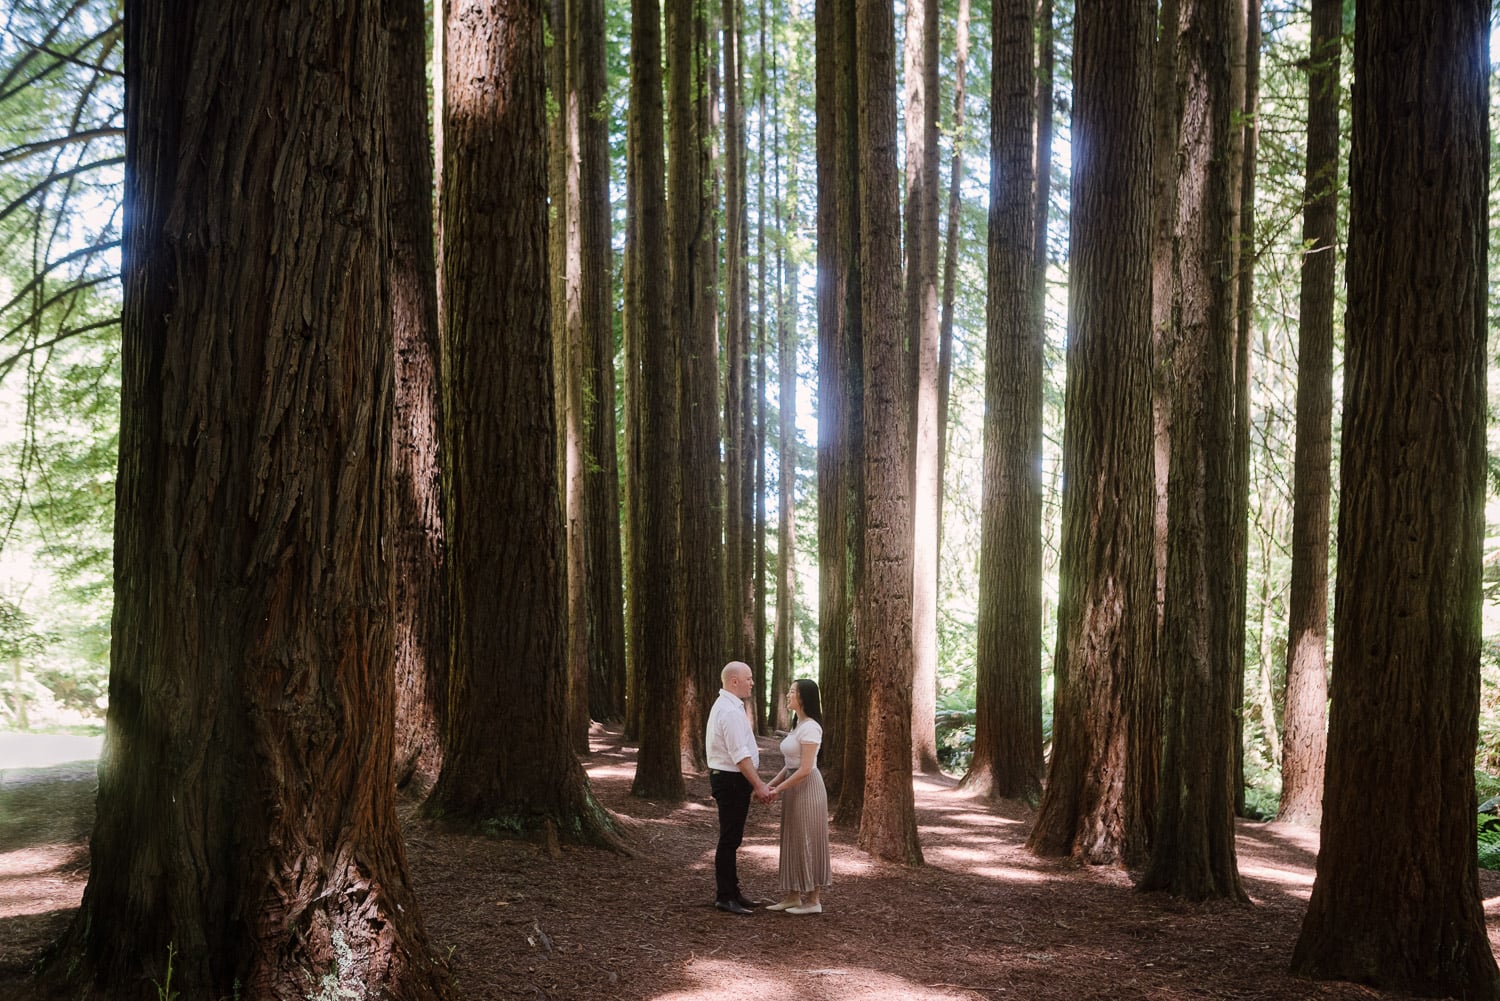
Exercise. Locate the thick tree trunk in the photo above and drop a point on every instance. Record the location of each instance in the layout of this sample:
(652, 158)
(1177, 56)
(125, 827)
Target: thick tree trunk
(568, 339)
(1166, 123)
(1007, 758)
(739, 470)
(420, 618)
(701, 576)
(1193, 852)
(1307, 610)
(1244, 321)
(631, 270)
(882, 613)
(1104, 633)
(922, 337)
(1396, 902)
(602, 465)
(658, 763)
(246, 827)
(507, 764)
(840, 420)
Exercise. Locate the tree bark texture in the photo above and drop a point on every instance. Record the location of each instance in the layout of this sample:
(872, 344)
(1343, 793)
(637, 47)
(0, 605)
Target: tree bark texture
(953, 239)
(631, 272)
(606, 614)
(569, 337)
(1007, 759)
(1166, 123)
(1193, 852)
(1306, 741)
(922, 337)
(507, 764)
(1090, 809)
(739, 469)
(693, 319)
(246, 808)
(1244, 300)
(420, 618)
(882, 613)
(658, 772)
(1396, 901)
(786, 538)
(840, 418)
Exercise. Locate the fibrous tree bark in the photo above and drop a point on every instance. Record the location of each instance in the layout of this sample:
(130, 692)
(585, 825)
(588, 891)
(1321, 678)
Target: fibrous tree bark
(507, 764)
(1306, 742)
(606, 615)
(693, 321)
(246, 828)
(1007, 759)
(882, 611)
(420, 619)
(658, 763)
(840, 418)
(1102, 717)
(922, 338)
(1396, 900)
(950, 247)
(1192, 851)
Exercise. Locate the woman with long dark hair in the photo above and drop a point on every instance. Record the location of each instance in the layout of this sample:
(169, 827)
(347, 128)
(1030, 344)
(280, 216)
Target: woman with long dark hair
(805, 867)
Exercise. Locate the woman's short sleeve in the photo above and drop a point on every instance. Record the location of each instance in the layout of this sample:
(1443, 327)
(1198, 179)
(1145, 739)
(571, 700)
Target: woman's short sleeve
(810, 732)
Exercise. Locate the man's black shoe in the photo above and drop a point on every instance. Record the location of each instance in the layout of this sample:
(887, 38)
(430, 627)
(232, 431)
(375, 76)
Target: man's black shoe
(732, 906)
(744, 901)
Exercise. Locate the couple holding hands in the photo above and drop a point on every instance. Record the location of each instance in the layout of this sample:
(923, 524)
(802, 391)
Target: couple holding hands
(733, 760)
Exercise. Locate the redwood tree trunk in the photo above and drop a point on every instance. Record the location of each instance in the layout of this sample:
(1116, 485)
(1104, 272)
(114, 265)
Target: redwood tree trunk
(922, 334)
(1105, 614)
(420, 618)
(1396, 902)
(1306, 740)
(1192, 851)
(1007, 758)
(839, 419)
(246, 815)
(606, 613)
(507, 764)
(658, 772)
(693, 320)
(882, 613)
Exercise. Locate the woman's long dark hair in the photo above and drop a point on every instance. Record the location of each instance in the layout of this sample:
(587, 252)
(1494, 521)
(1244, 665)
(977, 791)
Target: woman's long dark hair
(807, 691)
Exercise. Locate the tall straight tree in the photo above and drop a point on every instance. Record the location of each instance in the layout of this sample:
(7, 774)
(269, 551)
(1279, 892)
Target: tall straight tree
(1396, 901)
(882, 613)
(738, 614)
(1306, 742)
(631, 266)
(1166, 122)
(420, 615)
(1248, 124)
(658, 772)
(606, 614)
(693, 312)
(840, 391)
(568, 338)
(950, 247)
(1092, 805)
(1007, 760)
(507, 763)
(1192, 851)
(922, 336)
(246, 828)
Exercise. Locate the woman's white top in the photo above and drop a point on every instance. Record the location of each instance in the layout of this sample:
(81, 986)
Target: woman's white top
(807, 731)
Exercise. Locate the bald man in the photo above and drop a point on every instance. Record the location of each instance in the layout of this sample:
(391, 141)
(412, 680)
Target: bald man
(733, 758)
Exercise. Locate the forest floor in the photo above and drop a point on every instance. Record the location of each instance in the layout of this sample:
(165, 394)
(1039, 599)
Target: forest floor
(983, 918)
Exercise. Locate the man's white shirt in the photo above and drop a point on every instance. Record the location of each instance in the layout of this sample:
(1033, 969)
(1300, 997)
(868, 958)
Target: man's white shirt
(730, 739)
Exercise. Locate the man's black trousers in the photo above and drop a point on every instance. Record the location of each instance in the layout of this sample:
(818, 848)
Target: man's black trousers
(732, 793)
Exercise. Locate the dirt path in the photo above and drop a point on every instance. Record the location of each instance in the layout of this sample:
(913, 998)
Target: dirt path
(982, 919)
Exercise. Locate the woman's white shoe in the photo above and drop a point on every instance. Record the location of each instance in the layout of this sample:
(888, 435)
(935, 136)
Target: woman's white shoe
(783, 905)
(806, 909)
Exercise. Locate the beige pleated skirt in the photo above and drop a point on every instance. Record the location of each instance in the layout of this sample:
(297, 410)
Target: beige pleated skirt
(804, 837)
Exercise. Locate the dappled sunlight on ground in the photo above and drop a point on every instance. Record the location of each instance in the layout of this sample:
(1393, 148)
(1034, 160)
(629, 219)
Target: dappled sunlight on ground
(717, 979)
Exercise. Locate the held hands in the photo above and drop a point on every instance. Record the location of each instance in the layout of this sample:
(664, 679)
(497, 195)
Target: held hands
(766, 794)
